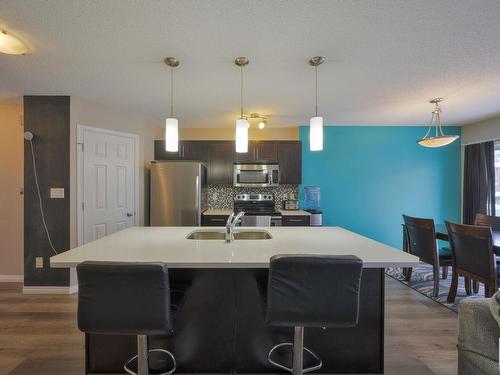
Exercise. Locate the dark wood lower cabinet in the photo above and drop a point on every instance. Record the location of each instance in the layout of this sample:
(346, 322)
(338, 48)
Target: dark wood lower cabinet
(296, 221)
(214, 220)
(220, 327)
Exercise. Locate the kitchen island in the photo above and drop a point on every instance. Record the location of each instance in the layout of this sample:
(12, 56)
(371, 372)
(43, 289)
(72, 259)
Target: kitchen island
(220, 326)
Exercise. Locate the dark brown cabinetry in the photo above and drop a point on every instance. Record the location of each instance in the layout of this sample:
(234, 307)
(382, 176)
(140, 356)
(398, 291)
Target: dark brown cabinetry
(220, 162)
(290, 161)
(220, 155)
(259, 151)
(214, 220)
(295, 221)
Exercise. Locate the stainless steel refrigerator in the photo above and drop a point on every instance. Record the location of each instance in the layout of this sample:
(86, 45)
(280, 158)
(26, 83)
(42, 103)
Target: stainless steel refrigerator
(178, 193)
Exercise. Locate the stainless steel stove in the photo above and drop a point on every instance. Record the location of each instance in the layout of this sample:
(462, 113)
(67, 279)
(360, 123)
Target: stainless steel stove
(260, 210)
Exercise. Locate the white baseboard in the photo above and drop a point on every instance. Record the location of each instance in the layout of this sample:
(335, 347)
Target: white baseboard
(11, 278)
(50, 289)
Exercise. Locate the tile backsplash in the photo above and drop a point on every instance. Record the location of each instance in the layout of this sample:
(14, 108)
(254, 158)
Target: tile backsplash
(222, 196)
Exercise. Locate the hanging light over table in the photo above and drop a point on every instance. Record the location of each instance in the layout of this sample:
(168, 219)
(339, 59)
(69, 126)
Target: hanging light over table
(439, 139)
(11, 45)
(171, 123)
(242, 124)
(316, 122)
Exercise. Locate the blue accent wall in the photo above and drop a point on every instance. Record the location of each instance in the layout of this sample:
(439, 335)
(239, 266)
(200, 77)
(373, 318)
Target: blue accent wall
(370, 175)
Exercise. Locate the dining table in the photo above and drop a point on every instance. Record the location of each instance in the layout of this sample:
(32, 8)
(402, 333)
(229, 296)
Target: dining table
(442, 234)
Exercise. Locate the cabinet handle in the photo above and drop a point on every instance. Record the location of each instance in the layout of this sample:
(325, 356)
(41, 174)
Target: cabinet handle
(218, 220)
(296, 220)
(257, 151)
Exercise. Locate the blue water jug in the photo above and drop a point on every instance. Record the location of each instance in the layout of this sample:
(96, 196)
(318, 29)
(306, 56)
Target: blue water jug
(312, 197)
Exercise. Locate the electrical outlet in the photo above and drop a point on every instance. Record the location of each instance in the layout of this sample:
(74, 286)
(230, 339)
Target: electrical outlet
(39, 262)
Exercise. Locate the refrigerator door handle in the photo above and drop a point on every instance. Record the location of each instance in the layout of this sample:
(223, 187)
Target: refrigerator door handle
(197, 203)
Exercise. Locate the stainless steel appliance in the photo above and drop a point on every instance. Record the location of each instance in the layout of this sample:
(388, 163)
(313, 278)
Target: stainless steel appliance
(256, 174)
(316, 218)
(291, 204)
(259, 210)
(178, 193)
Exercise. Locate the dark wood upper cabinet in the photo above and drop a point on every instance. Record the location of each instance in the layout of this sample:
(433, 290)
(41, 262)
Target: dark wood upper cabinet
(259, 151)
(220, 156)
(188, 150)
(265, 150)
(220, 162)
(290, 161)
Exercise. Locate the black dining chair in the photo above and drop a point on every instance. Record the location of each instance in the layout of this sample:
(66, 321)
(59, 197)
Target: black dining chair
(488, 221)
(422, 242)
(473, 257)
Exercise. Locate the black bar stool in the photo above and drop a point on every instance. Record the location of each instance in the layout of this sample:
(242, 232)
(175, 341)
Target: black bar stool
(311, 291)
(126, 299)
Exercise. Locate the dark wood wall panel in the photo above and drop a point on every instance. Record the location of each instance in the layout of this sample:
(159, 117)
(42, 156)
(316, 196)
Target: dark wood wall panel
(48, 118)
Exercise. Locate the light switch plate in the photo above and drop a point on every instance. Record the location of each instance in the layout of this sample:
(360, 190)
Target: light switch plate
(39, 262)
(57, 193)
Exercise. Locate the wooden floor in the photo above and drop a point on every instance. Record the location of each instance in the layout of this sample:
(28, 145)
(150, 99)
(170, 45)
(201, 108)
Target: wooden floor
(38, 334)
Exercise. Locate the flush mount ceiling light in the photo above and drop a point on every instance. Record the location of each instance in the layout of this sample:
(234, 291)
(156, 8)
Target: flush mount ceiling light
(439, 139)
(316, 122)
(11, 45)
(171, 123)
(242, 124)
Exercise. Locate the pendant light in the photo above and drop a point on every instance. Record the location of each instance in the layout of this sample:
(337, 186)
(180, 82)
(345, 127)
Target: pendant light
(11, 45)
(171, 123)
(242, 124)
(439, 139)
(316, 122)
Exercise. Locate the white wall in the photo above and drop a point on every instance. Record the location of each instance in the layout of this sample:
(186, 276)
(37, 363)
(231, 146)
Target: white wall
(481, 131)
(96, 115)
(11, 199)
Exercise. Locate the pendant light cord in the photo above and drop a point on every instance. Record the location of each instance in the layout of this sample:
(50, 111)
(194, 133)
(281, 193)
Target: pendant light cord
(241, 91)
(316, 100)
(171, 92)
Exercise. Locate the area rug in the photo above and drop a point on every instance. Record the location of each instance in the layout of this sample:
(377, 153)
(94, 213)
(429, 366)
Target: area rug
(422, 282)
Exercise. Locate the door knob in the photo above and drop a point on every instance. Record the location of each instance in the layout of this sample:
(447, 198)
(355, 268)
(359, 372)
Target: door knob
(130, 214)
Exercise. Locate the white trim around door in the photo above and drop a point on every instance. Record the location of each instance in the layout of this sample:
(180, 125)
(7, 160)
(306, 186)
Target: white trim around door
(80, 129)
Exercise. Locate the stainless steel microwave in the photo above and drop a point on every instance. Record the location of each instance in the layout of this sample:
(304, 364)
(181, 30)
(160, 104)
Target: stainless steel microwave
(256, 174)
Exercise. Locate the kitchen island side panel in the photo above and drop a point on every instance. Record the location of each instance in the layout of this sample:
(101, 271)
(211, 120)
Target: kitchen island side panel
(220, 328)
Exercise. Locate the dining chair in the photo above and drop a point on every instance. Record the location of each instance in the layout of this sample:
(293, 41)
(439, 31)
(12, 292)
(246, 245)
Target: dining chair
(472, 257)
(488, 221)
(421, 242)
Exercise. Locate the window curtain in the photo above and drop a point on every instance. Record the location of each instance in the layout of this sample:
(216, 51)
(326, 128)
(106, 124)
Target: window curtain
(479, 181)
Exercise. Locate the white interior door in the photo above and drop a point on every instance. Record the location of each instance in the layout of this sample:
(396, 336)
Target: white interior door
(109, 174)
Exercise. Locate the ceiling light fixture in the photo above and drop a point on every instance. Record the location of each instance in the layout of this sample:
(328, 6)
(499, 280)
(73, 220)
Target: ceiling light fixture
(439, 139)
(12, 45)
(242, 124)
(255, 115)
(171, 123)
(316, 122)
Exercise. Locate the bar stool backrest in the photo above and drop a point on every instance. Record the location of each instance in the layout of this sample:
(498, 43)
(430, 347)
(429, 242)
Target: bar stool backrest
(314, 291)
(123, 298)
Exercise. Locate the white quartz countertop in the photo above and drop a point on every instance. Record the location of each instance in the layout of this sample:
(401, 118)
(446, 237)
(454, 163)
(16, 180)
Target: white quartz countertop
(294, 213)
(216, 211)
(169, 245)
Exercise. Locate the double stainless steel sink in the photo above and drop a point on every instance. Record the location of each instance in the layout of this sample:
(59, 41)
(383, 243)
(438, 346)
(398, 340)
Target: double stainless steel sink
(221, 235)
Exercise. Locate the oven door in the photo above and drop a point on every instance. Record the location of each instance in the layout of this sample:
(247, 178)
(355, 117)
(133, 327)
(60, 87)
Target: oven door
(253, 175)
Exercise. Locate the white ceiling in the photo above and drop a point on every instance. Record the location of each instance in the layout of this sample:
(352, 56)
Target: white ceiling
(385, 59)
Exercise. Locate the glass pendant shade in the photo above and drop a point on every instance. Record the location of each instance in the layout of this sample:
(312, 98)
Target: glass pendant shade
(242, 135)
(171, 135)
(316, 134)
(11, 45)
(438, 141)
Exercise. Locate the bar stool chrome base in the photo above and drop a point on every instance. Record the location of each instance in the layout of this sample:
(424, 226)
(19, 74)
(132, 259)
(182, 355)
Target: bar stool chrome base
(298, 355)
(142, 358)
